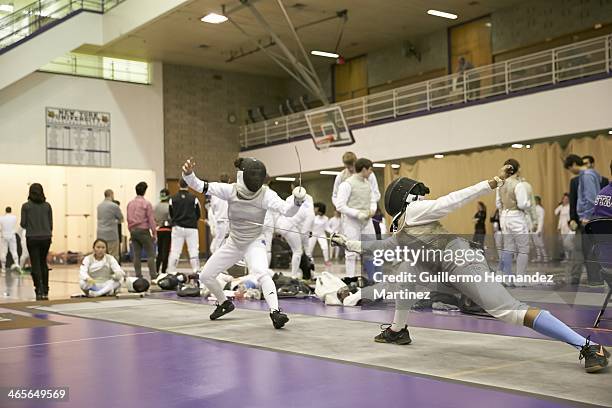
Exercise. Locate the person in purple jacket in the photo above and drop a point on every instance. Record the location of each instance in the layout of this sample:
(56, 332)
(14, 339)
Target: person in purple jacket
(603, 201)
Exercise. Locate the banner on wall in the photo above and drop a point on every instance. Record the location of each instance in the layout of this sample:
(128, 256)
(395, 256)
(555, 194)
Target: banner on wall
(78, 138)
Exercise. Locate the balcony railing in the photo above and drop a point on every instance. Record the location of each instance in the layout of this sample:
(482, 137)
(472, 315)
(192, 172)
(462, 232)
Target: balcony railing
(39, 14)
(550, 67)
(93, 66)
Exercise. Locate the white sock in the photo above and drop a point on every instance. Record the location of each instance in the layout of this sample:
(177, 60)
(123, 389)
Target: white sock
(108, 287)
(399, 319)
(269, 291)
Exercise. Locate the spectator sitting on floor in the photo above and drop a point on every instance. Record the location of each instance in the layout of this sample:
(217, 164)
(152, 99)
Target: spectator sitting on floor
(100, 274)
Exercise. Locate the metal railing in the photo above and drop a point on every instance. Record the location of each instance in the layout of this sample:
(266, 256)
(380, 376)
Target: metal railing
(36, 16)
(94, 66)
(550, 67)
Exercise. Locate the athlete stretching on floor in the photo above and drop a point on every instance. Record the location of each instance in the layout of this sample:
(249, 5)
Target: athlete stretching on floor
(248, 201)
(416, 222)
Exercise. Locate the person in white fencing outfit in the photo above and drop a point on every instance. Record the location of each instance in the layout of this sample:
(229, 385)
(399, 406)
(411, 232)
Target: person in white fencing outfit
(248, 201)
(356, 202)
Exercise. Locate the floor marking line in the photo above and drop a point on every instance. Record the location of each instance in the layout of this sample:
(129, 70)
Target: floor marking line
(76, 340)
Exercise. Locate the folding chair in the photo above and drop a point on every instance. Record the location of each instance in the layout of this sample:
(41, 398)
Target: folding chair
(600, 231)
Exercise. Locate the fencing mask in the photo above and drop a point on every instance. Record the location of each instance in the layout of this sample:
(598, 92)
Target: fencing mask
(251, 173)
(401, 192)
(136, 285)
(169, 282)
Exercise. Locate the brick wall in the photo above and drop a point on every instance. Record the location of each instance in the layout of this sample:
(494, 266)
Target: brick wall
(197, 103)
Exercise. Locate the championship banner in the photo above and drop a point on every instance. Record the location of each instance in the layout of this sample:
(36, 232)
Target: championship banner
(78, 138)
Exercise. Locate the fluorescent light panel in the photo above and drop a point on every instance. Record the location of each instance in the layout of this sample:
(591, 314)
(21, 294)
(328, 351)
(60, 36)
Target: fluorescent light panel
(438, 156)
(610, 132)
(329, 173)
(395, 166)
(442, 14)
(6, 8)
(325, 54)
(285, 179)
(517, 146)
(381, 165)
(214, 18)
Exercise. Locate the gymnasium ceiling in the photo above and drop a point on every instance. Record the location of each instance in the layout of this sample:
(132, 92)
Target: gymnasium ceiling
(179, 37)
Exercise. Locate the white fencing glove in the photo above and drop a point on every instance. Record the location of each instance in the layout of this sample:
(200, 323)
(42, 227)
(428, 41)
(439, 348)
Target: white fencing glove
(363, 215)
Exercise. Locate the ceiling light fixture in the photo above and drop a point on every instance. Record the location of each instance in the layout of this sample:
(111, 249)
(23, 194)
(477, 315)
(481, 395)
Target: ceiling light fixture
(6, 8)
(517, 146)
(610, 132)
(325, 54)
(329, 173)
(442, 14)
(438, 156)
(395, 166)
(381, 165)
(214, 18)
(285, 179)
(528, 146)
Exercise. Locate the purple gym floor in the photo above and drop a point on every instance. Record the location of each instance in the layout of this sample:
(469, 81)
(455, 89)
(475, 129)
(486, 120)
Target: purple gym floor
(114, 365)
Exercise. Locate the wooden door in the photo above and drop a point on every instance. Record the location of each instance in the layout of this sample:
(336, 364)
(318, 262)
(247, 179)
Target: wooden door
(351, 79)
(472, 41)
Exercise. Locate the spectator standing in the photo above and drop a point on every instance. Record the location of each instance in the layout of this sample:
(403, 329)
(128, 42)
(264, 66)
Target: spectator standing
(589, 182)
(37, 220)
(109, 216)
(141, 225)
(185, 213)
(603, 202)
(164, 230)
(589, 161)
(479, 221)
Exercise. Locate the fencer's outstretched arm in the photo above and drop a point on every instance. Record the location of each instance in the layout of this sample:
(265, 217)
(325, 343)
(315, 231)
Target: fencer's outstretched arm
(220, 190)
(272, 202)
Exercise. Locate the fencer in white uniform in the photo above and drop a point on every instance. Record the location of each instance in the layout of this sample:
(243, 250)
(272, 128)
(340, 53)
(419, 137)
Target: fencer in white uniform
(357, 203)
(269, 224)
(8, 241)
(334, 227)
(513, 200)
(248, 201)
(417, 226)
(320, 227)
(218, 218)
(100, 274)
(297, 240)
(538, 234)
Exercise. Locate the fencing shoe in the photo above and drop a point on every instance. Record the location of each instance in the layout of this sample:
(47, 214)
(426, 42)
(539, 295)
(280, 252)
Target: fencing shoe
(387, 335)
(278, 319)
(222, 309)
(595, 357)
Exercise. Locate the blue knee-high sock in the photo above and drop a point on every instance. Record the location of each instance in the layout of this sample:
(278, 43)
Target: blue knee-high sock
(550, 326)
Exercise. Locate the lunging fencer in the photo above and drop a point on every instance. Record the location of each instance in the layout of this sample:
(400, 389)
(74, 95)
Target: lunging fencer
(416, 223)
(357, 203)
(248, 201)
